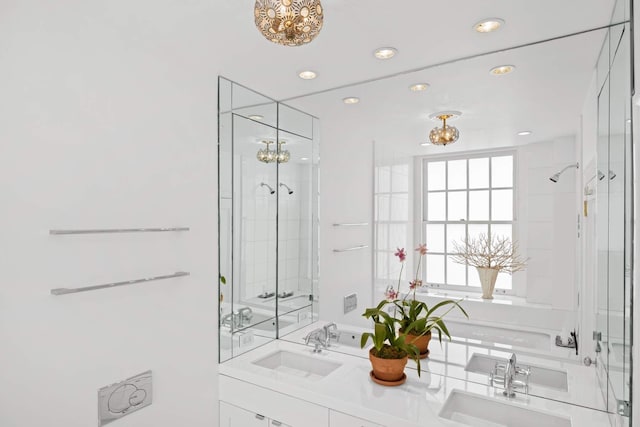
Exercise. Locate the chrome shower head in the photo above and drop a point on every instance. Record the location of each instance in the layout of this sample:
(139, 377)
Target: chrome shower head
(612, 174)
(271, 190)
(600, 176)
(287, 187)
(556, 176)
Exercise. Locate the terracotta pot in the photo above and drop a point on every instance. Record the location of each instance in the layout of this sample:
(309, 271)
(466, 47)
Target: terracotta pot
(420, 341)
(389, 370)
(488, 278)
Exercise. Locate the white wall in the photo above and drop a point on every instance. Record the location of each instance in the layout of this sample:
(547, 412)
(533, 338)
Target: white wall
(346, 196)
(548, 215)
(108, 119)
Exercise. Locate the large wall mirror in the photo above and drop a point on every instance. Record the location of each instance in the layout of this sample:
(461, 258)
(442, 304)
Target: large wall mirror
(268, 203)
(574, 93)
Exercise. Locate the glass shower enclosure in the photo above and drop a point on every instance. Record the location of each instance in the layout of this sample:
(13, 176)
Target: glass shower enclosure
(268, 218)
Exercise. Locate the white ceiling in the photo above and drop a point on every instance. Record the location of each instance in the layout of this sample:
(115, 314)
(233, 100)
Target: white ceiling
(544, 94)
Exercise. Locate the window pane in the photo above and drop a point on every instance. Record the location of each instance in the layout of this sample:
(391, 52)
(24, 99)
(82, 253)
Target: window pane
(435, 268)
(384, 179)
(502, 230)
(502, 205)
(400, 178)
(502, 171)
(455, 233)
(457, 175)
(504, 281)
(479, 173)
(436, 176)
(382, 266)
(436, 206)
(382, 237)
(474, 279)
(476, 230)
(479, 205)
(435, 237)
(397, 236)
(456, 273)
(457, 205)
(399, 207)
(382, 208)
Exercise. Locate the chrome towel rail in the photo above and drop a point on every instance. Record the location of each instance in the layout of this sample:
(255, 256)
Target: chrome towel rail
(65, 291)
(355, 248)
(351, 224)
(118, 230)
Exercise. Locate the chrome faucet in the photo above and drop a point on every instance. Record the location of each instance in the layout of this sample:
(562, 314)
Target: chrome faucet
(330, 333)
(509, 372)
(317, 337)
(228, 320)
(245, 314)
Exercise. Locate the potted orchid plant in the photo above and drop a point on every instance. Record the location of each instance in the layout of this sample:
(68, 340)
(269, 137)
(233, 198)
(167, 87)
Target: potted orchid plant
(415, 320)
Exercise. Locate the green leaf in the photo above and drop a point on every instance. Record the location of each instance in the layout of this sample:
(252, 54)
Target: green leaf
(223, 280)
(364, 338)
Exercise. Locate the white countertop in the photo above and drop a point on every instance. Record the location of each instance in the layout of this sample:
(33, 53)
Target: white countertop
(349, 389)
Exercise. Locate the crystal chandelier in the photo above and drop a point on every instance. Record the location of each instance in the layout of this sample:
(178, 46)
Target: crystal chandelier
(289, 22)
(446, 134)
(265, 155)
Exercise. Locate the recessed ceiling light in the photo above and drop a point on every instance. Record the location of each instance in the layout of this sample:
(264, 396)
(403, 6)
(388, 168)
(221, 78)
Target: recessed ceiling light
(304, 158)
(628, 120)
(502, 70)
(525, 133)
(256, 117)
(488, 25)
(307, 75)
(419, 87)
(425, 144)
(351, 100)
(385, 52)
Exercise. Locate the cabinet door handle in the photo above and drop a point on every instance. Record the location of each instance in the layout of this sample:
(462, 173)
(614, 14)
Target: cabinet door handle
(276, 423)
(260, 417)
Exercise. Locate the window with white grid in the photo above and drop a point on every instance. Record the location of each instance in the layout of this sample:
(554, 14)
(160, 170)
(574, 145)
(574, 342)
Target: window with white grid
(465, 196)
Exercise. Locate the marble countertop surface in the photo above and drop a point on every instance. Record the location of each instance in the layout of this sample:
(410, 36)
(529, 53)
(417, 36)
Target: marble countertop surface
(349, 389)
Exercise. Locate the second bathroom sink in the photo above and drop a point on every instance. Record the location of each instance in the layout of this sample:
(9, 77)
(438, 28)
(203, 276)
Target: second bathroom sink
(298, 365)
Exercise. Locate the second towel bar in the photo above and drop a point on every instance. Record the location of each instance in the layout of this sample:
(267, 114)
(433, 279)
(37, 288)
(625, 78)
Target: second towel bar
(65, 291)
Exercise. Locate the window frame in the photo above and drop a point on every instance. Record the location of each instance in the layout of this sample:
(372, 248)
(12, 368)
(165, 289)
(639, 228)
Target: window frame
(423, 197)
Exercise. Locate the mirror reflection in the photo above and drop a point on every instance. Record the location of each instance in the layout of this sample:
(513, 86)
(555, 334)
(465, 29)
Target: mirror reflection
(267, 219)
(541, 155)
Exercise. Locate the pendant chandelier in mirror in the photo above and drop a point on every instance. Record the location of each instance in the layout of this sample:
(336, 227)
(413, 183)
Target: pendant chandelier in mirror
(266, 155)
(446, 134)
(289, 22)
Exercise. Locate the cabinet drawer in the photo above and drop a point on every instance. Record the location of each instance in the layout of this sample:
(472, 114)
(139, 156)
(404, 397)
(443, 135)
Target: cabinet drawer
(289, 411)
(338, 419)
(232, 416)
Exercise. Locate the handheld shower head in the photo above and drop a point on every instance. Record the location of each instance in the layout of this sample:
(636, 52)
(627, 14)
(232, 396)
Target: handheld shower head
(556, 176)
(271, 190)
(287, 187)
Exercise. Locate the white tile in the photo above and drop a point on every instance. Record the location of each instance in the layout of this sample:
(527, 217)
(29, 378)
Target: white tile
(540, 207)
(540, 235)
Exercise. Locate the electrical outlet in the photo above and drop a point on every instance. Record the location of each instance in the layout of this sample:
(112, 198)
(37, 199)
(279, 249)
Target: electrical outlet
(350, 303)
(120, 399)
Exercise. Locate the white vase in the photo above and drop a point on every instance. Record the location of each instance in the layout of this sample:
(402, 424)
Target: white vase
(488, 278)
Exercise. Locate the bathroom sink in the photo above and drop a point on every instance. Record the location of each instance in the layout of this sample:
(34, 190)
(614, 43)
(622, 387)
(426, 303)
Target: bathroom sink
(480, 411)
(540, 376)
(297, 364)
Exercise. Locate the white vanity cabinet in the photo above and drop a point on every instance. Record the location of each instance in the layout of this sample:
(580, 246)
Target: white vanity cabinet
(232, 416)
(255, 406)
(338, 419)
